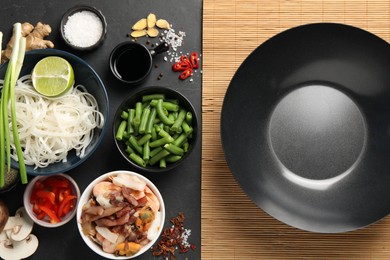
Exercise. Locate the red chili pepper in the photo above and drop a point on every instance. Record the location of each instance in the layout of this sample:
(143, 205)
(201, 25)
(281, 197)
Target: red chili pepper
(194, 60)
(180, 66)
(185, 59)
(185, 74)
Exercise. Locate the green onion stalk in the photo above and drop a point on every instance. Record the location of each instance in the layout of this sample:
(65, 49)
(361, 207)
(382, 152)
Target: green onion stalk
(8, 100)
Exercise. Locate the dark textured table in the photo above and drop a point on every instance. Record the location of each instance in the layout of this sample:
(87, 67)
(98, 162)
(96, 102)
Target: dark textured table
(181, 187)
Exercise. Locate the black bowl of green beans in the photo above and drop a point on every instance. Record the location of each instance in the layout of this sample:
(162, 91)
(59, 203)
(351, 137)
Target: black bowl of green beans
(155, 128)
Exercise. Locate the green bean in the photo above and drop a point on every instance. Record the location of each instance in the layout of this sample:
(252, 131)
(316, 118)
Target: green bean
(137, 159)
(172, 158)
(121, 130)
(161, 115)
(179, 120)
(171, 117)
(153, 102)
(126, 135)
(161, 141)
(173, 149)
(146, 151)
(129, 150)
(180, 140)
(138, 114)
(186, 146)
(154, 134)
(124, 115)
(169, 106)
(189, 118)
(173, 101)
(150, 97)
(163, 153)
(149, 124)
(144, 139)
(163, 163)
(155, 150)
(163, 133)
(175, 136)
(144, 120)
(130, 119)
(186, 128)
(134, 144)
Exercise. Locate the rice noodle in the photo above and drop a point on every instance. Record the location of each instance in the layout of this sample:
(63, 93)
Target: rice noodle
(50, 127)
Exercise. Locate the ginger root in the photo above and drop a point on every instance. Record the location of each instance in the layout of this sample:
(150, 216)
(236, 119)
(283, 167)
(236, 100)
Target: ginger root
(34, 39)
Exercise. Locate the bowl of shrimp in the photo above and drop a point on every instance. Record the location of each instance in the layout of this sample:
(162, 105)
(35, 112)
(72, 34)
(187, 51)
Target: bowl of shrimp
(120, 215)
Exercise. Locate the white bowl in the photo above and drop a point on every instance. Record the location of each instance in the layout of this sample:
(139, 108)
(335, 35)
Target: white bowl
(86, 195)
(29, 207)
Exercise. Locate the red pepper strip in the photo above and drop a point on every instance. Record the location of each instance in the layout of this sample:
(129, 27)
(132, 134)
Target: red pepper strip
(41, 215)
(194, 60)
(46, 195)
(185, 74)
(61, 212)
(180, 66)
(51, 213)
(36, 209)
(63, 193)
(56, 182)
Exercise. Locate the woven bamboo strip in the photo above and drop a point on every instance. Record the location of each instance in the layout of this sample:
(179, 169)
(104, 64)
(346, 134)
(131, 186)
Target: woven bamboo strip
(233, 227)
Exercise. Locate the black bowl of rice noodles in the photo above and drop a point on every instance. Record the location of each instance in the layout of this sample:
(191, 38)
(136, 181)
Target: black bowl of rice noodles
(58, 134)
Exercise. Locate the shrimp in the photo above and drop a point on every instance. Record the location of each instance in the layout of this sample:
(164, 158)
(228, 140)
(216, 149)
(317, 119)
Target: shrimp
(103, 191)
(153, 201)
(103, 187)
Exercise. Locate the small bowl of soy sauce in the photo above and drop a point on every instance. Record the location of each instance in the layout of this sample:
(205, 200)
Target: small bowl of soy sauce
(131, 62)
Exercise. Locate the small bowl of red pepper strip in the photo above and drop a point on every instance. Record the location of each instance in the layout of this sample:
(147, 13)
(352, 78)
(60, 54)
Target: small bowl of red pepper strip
(51, 201)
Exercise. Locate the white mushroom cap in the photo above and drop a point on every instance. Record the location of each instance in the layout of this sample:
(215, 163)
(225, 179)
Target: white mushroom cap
(21, 231)
(18, 249)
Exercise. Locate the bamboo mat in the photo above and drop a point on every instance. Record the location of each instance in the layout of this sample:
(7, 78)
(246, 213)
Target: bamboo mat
(232, 226)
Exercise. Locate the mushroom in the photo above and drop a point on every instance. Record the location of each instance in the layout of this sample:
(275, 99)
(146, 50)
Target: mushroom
(4, 215)
(16, 240)
(14, 250)
(21, 231)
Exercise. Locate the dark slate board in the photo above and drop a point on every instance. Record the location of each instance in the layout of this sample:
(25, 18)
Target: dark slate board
(181, 188)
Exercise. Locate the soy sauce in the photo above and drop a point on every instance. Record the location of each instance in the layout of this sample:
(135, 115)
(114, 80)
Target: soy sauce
(132, 63)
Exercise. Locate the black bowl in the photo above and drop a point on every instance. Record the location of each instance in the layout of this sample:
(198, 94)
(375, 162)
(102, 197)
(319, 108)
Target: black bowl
(84, 74)
(129, 102)
(80, 8)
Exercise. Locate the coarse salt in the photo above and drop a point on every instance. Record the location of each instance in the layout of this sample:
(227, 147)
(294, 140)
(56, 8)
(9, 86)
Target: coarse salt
(174, 40)
(83, 29)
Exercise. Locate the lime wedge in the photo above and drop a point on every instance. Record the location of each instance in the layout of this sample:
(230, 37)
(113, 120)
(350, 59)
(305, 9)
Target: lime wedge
(52, 76)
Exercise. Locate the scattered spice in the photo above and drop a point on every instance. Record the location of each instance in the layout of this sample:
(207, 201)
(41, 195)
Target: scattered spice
(173, 238)
(175, 41)
(83, 29)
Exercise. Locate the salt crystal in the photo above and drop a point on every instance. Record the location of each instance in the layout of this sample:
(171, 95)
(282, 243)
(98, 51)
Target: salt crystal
(83, 29)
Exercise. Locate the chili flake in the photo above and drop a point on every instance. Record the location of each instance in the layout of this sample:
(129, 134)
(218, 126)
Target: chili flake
(172, 238)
